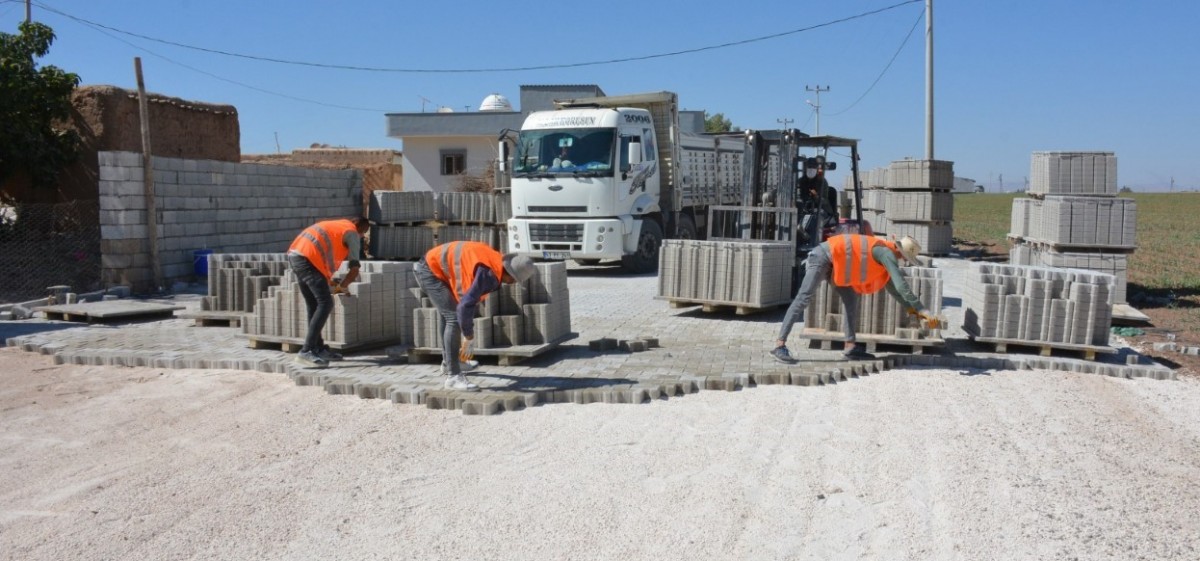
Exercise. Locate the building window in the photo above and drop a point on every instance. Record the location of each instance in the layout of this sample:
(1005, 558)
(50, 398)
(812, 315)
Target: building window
(454, 163)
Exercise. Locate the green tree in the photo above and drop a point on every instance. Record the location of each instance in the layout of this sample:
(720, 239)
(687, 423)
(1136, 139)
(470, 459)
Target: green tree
(35, 104)
(718, 123)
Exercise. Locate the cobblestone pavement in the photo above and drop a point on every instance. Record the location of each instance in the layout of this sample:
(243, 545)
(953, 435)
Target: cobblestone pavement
(697, 351)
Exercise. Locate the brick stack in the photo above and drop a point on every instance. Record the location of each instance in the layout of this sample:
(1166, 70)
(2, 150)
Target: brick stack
(1038, 304)
(874, 197)
(920, 205)
(237, 280)
(376, 310)
(879, 313)
(535, 312)
(741, 273)
(407, 224)
(1073, 217)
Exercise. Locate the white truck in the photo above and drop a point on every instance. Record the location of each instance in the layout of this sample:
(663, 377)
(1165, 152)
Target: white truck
(603, 178)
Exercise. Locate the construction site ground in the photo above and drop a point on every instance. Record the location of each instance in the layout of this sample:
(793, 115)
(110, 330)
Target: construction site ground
(216, 450)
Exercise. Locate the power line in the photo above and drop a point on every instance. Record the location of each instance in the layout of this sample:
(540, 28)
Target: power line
(885, 68)
(480, 70)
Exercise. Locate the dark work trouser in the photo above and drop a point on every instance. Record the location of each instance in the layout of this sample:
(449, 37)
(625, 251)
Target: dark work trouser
(818, 268)
(318, 300)
(439, 293)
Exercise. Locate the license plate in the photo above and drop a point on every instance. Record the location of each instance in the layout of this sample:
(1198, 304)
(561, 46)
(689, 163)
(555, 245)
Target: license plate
(559, 255)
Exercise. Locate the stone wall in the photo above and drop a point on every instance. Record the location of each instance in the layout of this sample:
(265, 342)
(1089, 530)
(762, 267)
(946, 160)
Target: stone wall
(202, 204)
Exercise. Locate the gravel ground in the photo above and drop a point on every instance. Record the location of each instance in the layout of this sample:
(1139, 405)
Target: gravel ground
(138, 463)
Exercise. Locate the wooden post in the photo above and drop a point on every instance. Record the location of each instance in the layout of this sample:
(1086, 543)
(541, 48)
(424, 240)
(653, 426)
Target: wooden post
(148, 177)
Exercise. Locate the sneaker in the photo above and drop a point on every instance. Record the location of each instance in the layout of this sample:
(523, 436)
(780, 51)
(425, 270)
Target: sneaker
(858, 353)
(311, 359)
(329, 354)
(781, 354)
(463, 366)
(459, 382)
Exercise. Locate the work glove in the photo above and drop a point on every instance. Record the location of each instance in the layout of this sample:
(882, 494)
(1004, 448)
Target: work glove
(930, 321)
(467, 349)
(338, 289)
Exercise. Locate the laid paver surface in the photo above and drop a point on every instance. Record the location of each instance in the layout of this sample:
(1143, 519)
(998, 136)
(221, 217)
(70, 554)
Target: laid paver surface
(697, 351)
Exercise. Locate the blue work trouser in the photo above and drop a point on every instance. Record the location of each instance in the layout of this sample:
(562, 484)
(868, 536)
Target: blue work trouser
(317, 299)
(439, 293)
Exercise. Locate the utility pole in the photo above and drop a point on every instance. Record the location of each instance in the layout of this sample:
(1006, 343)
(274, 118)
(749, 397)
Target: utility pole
(28, 11)
(277, 150)
(817, 105)
(148, 177)
(1172, 184)
(928, 79)
(785, 121)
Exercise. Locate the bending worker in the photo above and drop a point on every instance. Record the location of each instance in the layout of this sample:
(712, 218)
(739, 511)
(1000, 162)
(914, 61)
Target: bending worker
(456, 276)
(855, 264)
(315, 255)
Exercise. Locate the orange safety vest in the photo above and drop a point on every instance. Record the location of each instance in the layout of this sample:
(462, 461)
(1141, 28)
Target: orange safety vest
(454, 264)
(322, 245)
(853, 265)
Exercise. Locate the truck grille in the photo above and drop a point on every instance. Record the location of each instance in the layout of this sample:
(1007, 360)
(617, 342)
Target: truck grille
(556, 233)
(558, 209)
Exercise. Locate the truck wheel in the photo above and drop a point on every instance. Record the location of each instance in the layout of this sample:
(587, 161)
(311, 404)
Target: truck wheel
(687, 228)
(645, 257)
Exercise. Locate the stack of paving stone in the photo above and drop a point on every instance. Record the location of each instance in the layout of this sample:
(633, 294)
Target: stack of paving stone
(399, 223)
(237, 280)
(919, 203)
(874, 197)
(376, 310)
(480, 217)
(880, 313)
(754, 274)
(1039, 305)
(1073, 217)
(535, 312)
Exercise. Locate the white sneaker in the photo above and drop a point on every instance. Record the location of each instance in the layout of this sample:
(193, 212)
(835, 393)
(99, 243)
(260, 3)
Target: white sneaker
(463, 366)
(460, 383)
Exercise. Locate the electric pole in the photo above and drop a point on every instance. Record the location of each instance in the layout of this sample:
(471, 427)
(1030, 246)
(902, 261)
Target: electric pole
(928, 79)
(817, 105)
(28, 11)
(785, 121)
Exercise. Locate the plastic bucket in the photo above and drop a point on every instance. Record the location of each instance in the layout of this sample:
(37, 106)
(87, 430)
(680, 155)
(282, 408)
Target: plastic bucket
(200, 261)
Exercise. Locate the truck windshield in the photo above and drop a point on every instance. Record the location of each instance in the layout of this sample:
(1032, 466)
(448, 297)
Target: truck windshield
(564, 151)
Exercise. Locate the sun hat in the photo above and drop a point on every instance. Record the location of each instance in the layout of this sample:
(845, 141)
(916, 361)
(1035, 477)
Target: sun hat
(519, 267)
(909, 248)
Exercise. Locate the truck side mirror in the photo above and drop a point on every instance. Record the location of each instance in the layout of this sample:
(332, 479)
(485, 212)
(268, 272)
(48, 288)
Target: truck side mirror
(830, 165)
(635, 153)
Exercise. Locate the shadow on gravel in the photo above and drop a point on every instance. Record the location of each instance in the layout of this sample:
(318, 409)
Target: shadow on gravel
(542, 383)
(9, 329)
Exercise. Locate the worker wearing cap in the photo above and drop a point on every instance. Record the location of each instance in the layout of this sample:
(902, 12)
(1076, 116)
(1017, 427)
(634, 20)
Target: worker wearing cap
(855, 264)
(456, 277)
(314, 256)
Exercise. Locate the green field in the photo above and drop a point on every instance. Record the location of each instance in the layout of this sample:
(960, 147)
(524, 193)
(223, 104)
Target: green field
(1167, 260)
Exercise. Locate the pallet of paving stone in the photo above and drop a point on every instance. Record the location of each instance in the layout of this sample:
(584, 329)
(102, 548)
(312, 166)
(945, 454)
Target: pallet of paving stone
(1040, 347)
(721, 307)
(506, 356)
(825, 340)
(294, 344)
(215, 318)
(108, 310)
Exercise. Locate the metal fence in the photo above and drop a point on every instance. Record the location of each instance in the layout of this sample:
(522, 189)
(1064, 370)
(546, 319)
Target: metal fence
(43, 245)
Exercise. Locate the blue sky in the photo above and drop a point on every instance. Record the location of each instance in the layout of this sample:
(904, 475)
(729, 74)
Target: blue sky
(1010, 77)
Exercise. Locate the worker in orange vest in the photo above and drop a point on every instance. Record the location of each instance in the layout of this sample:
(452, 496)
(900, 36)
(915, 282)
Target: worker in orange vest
(855, 264)
(456, 277)
(314, 256)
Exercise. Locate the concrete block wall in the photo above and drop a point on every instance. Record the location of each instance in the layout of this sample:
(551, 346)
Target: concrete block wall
(1073, 173)
(237, 280)
(879, 313)
(535, 312)
(378, 309)
(205, 204)
(753, 274)
(1076, 221)
(1115, 264)
(1038, 304)
(401, 207)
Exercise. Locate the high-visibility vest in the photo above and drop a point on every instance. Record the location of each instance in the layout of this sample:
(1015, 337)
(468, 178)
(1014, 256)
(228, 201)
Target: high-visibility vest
(322, 245)
(853, 264)
(454, 264)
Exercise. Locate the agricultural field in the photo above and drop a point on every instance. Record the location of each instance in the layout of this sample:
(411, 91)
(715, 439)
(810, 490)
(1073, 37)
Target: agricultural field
(1164, 272)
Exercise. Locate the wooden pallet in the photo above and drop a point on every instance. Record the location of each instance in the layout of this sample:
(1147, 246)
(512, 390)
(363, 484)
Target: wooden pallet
(826, 339)
(108, 310)
(721, 307)
(216, 318)
(1042, 348)
(1063, 247)
(294, 344)
(506, 356)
